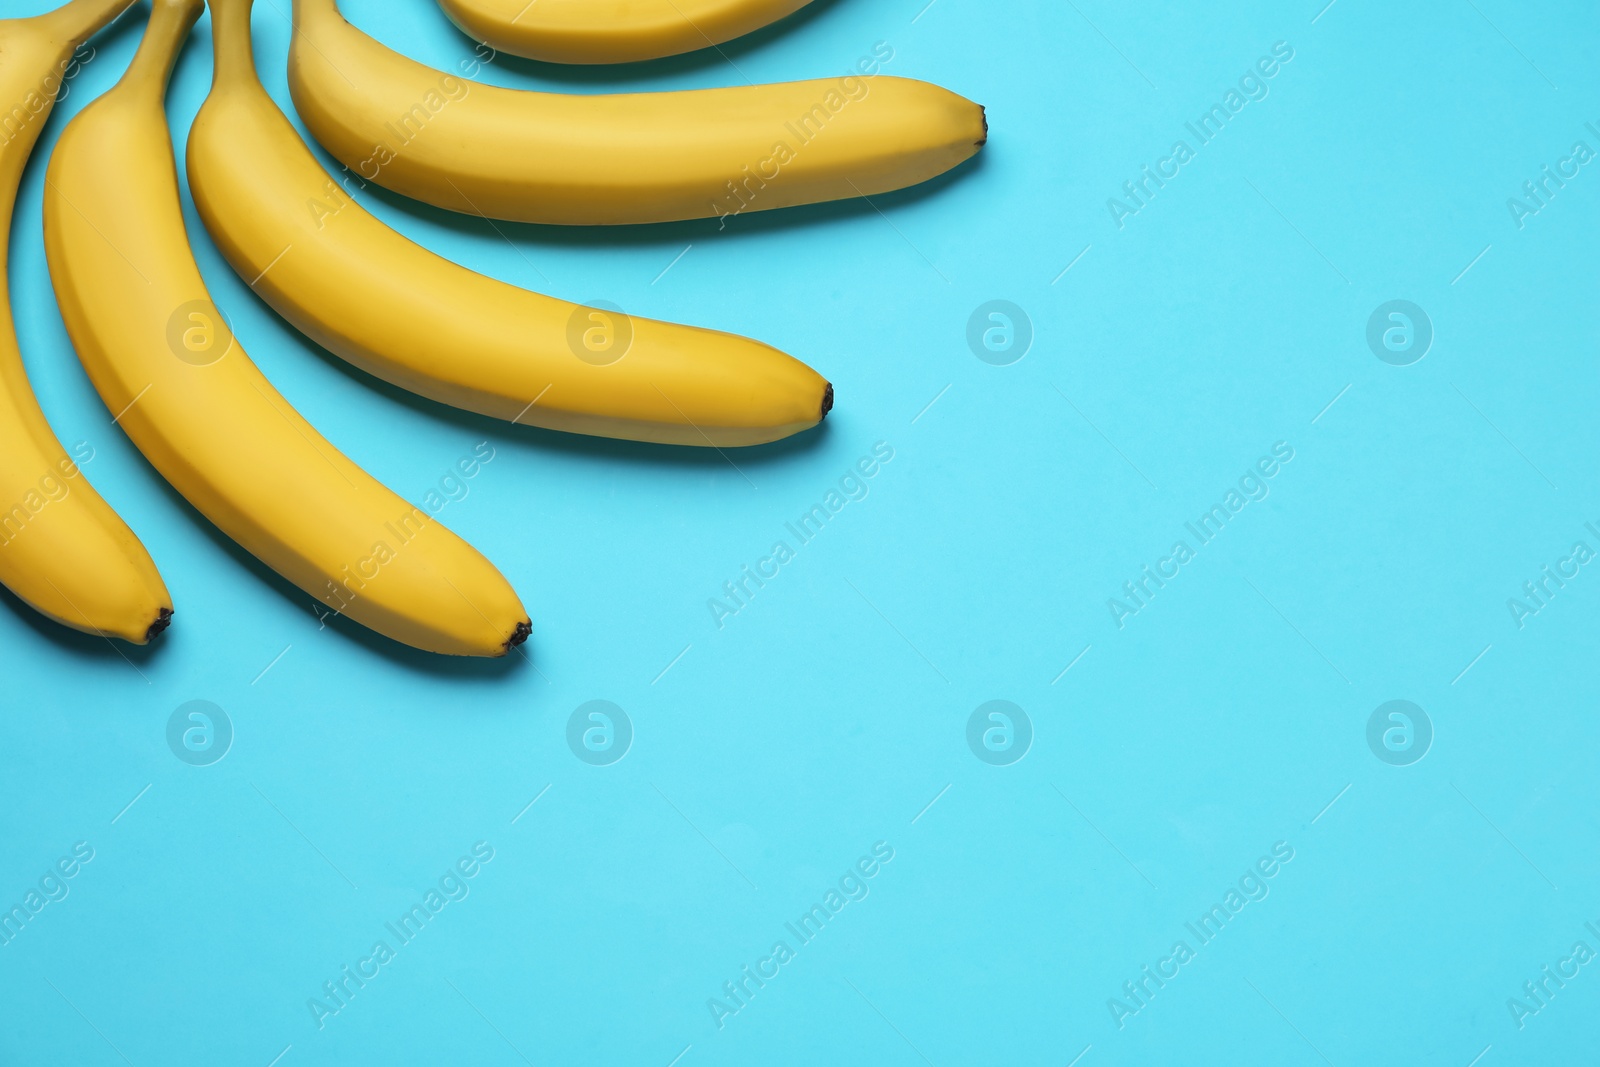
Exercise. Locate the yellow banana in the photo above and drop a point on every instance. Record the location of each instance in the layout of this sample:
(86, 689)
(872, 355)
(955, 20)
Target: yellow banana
(393, 308)
(611, 31)
(62, 549)
(625, 158)
(162, 356)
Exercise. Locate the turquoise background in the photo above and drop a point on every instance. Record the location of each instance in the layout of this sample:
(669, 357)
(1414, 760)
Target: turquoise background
(1230, 714)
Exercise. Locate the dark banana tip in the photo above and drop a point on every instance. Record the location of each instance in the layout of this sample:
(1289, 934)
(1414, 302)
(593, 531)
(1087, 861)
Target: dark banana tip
(519, 635)
(163, 620)
(983, 113)
(827, 402)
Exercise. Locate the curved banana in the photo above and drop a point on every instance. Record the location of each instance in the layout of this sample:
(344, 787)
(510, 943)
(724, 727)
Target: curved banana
(611, 31)
(160, 353)
(396, 310)
(625, 158)
(62, 549)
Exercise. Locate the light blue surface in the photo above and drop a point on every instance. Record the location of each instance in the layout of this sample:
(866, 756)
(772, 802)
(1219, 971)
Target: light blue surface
(1228, 715)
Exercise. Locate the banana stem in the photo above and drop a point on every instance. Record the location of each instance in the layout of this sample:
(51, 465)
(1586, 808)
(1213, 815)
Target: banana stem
(315, 10)
(170, 22)
(76, 22)
(230, 35)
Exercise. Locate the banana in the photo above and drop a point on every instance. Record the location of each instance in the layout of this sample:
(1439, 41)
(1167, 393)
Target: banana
(396, 310)
(161, 354)
(611, 31)
(626, 158)
(62, 549)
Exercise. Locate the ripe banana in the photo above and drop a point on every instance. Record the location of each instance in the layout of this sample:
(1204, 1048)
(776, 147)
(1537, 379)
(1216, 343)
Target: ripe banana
(163, 357)
(626, 158)
(62, 549)
(611, 31)
(396, 310)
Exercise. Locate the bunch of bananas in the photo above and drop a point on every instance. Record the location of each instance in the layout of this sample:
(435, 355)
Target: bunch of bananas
(177, 381)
